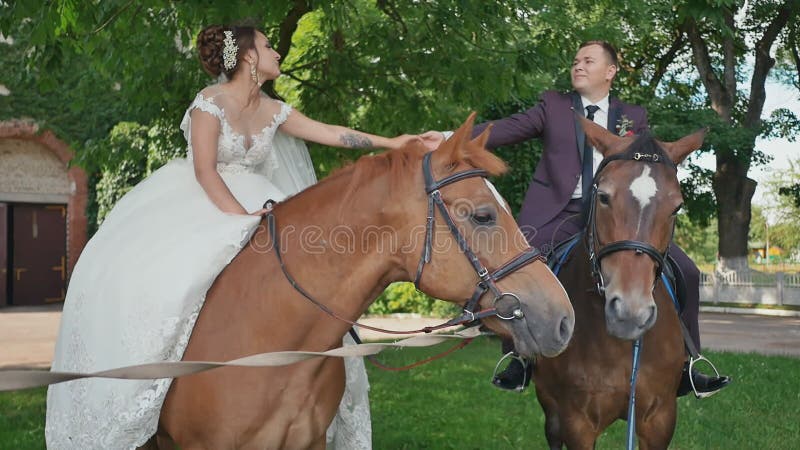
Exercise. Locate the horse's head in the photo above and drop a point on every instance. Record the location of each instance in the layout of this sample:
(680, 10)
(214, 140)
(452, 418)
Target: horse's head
(532, 306)
(631, 218)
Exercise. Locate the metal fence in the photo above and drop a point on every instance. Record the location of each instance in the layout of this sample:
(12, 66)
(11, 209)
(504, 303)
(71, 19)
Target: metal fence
(751, 288)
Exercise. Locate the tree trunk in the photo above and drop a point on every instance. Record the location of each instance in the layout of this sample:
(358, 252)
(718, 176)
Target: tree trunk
(734, 191)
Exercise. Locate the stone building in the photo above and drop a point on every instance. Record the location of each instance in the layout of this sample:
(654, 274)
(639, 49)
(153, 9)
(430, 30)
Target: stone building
(42, 215)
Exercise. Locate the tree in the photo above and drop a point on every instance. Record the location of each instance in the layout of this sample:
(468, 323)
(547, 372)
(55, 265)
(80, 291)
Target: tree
(784, 229)
(388, 67)
(690, 59)
(718, 57)
(699, 241)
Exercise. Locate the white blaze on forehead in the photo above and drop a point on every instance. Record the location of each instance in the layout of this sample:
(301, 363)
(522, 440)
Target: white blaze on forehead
(497, 196)
(644, 188)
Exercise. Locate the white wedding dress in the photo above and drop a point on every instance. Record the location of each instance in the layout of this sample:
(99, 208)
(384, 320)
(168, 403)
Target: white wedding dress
(140, 283)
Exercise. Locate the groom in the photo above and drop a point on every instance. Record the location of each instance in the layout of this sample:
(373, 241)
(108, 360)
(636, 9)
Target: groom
(551, 211)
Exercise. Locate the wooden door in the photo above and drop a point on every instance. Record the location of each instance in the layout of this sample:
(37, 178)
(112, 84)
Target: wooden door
(39, 250)
(3, 254)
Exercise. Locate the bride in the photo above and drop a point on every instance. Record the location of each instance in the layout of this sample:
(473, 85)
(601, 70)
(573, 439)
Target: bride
(140, 283)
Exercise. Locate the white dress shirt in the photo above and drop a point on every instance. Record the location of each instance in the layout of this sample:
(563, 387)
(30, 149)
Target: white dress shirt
(600, 118)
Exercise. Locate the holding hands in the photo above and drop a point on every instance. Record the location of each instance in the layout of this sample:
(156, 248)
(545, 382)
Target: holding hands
(432, 139)
(405, 139)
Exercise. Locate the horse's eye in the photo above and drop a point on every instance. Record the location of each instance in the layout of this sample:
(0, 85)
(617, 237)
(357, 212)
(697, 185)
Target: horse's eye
(675, 213)
(483, 218)
(604, 198)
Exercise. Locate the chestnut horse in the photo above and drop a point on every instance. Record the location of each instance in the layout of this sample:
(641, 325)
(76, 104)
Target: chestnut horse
(612, 276)
(343, 241)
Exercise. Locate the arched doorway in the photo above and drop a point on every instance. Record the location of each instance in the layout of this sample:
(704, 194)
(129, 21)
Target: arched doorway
(42, 215)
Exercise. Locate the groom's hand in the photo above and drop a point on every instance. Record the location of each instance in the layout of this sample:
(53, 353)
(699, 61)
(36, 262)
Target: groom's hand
(432, 139)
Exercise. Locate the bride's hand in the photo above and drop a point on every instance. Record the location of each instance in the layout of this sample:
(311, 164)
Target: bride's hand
(403, 140)
(432, 139)
(260, 212)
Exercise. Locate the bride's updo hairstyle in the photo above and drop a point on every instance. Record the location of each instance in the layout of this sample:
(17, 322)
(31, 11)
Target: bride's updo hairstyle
(211, 44)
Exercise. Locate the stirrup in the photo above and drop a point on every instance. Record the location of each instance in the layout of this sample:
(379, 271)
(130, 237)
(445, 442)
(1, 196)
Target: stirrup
(693, 360)
(523, 361)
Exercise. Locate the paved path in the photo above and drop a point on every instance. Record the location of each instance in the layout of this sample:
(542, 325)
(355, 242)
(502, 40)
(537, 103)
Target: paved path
(27, 335)
(747, 333)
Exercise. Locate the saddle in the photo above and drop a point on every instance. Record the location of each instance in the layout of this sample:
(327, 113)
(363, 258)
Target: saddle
(671, 275)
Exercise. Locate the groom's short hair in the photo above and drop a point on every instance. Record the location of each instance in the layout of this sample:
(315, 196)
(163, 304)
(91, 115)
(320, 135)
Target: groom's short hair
(611, 53)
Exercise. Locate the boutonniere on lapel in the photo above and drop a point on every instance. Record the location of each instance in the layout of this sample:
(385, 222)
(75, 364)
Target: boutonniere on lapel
(624, 126)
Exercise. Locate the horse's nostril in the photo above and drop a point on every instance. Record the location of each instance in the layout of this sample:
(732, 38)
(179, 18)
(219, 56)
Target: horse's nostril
(615, 306)
(565, 328)
(652, 316)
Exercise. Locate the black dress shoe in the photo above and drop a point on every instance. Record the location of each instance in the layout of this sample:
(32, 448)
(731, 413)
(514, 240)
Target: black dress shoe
(515, 377)
(705, 385)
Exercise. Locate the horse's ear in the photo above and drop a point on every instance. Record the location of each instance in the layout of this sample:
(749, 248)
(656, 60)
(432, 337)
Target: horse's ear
(481, 139)
(680, 149)
(452, 150)
(603, 140)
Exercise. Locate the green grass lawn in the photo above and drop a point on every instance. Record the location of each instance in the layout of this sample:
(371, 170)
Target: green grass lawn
(450, 404)
(22, 419)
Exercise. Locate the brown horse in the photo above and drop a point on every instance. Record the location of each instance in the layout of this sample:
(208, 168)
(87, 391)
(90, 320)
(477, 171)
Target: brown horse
(344, 240)
(612, 277)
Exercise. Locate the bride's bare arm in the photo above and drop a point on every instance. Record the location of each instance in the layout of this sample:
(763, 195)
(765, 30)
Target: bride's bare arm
(298, 125)
(205, 139)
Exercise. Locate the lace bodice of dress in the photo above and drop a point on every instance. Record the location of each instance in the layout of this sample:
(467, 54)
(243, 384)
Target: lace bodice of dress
(237, 153)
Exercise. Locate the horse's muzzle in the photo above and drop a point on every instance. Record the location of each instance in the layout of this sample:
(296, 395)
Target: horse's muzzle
(532, 337)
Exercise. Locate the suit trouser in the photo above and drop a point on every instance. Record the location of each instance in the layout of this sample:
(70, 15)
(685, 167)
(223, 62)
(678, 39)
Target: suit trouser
(568, 222)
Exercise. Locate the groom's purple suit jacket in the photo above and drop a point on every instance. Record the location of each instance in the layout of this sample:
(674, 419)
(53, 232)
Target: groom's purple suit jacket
(559, 169)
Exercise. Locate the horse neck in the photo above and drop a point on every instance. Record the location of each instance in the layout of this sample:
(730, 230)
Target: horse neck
(331, 248)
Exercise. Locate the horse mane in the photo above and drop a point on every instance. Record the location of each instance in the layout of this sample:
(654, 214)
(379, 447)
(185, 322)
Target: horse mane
(398, 163)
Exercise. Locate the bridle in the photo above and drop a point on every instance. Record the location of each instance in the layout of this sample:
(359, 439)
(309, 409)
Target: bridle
(487, 280)
(654, 156)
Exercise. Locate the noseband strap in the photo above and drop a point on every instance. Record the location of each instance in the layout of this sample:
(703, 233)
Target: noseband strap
(637, 246)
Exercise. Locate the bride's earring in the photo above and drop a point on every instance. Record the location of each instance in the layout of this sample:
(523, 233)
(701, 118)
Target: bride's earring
(253, 73)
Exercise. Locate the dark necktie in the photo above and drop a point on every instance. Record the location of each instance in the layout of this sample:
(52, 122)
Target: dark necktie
(587, 174)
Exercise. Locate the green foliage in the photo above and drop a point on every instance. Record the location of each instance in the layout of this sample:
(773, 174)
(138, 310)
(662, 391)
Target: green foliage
(793, 192)
(56, 88)
(521, 158)
(127, 155)
(123, 166)
(758, 224)
(783, 207)
(672, 117)
(699, 241)
(405, 298)
(386, 67)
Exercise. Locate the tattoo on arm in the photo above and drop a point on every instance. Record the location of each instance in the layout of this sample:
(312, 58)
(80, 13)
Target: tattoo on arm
(353, 140)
